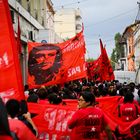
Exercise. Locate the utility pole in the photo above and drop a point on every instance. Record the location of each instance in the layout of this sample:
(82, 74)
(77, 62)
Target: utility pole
(138, 14)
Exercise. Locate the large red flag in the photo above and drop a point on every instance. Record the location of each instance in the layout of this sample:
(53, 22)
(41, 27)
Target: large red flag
(50, 64)
(106, 70)
(10, 75)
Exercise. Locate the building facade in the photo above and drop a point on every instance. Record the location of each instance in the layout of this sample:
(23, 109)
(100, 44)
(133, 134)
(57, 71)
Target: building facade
(67, 23)
(131, 37)
(137, 52)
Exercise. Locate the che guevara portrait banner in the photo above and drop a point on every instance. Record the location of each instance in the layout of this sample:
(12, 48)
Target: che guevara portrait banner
(50, 64)
(11, 85)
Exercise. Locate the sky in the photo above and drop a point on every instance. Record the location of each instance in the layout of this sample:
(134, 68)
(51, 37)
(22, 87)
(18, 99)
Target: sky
(102, 19)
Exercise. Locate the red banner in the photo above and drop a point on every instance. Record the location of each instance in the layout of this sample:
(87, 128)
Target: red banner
(93, 69)
(10, 75)
(50, 64)
(51, 120)
(106, 71)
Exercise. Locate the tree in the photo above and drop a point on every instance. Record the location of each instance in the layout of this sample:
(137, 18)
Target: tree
(118, 51)
(90, 60)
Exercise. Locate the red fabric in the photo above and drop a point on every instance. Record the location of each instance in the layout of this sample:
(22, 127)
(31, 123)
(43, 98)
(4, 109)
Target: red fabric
(71, 65)
(10, 74)
(93, 69)
(100, 69)
(5, 137)
(106, 71)
(22, 131)
(87, 124)
(122, 99)
(109, 106)
(53, 119)
(128, 111)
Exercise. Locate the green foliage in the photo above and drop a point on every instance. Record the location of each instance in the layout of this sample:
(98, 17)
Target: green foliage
(113, 59)
(90, 60)
(118, 51)
(118, 46)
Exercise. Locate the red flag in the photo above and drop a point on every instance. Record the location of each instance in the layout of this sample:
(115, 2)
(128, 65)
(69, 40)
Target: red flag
(93, 69)
(10, 74)
(106, 68)
(50, 64)
(101, 47)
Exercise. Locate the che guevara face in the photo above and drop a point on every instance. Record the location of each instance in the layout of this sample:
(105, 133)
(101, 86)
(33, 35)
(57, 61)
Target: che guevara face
(44, 63)
(46, 58)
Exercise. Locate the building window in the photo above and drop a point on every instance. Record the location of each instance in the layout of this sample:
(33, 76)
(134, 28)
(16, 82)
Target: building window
(78, 27)
(78, 18)
(43, 23)
(36, 15)
(28, 7)
(30, 35)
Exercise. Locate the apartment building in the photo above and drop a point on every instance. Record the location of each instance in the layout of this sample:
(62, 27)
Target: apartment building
(67, 22)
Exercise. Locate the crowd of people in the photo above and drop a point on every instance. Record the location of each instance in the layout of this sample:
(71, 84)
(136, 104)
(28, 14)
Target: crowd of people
(88, 122)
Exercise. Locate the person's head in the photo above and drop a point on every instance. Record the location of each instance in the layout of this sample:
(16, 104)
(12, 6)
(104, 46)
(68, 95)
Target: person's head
(23, 107)
(128, 98)
(33, 98)
(44, 62)
(132, 86)
(4, 125)
(26, 87)
(13, 107)
(53, 98)
(42, 93)
(86, 99)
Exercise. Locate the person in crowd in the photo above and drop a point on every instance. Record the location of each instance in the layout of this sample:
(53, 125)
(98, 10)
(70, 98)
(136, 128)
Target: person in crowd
(26, 89)
(68, 94)
(42, 93)
(25, 117)
(33, 98)
(112, 91)
(5, 133)
(139, 96)
(132, 87)
(54, 99)
(88, 122)
(16, 125)
(128, 110)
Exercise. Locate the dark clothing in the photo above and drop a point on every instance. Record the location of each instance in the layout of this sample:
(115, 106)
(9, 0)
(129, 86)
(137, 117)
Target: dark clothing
(23, 119)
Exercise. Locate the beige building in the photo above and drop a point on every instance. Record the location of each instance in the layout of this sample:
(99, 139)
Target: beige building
(67, 23)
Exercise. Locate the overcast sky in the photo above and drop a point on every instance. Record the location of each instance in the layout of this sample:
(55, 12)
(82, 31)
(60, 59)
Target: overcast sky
(102, 19)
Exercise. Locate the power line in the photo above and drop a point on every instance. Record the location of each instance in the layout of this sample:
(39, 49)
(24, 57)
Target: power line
(106, 20)
(111, 18)
(96, 43)
(69, 4)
